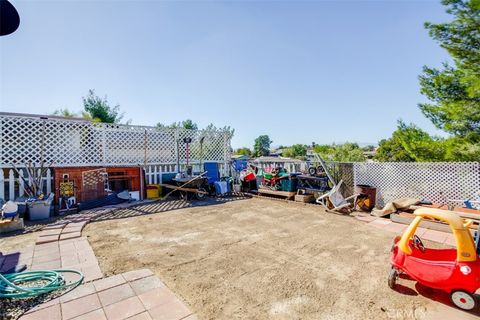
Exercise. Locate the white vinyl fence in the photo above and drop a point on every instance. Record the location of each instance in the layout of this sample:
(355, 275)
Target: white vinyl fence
(67, 142)
(11, 187)
(434, 181)
(153, 173)
(291, 166)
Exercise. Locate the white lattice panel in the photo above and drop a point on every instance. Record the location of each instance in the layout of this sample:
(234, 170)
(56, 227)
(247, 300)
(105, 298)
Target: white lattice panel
(124, 144)
(161, 146)
(434, 181)
(83, 143)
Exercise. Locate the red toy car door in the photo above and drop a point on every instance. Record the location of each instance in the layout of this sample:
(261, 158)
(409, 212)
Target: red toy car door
(429, 271)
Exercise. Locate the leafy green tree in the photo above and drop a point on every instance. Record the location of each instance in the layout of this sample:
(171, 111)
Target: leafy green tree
(189, 124)
(454, 91)
(65, 112)
(410, 143)
(347, 152)
(186, 124)
(100, 110)
(454, 94)
(243, 151)
(295, 151)
(461, 149)
(392, 150)
(262, 146)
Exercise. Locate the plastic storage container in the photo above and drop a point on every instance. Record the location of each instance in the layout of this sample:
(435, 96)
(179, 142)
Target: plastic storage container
(289, 185)
(40, 209)
(153, 191)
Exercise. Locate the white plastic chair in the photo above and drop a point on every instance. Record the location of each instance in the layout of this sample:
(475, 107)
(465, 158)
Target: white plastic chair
(335, 198)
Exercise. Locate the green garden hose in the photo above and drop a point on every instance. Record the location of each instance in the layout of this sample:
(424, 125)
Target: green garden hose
(53, 278)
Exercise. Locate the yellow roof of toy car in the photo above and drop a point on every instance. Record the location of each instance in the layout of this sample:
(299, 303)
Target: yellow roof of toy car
(463, 238)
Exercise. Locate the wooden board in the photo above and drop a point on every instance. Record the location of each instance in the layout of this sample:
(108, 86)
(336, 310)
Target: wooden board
(306, 198)
(407, 218)
(173, 187)
(285, 194)
(432, 225)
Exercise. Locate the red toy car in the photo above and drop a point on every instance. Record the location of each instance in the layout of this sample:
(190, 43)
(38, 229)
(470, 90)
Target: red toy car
(455, 271)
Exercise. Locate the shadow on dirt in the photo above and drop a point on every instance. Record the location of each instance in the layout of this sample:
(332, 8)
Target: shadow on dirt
(164, 206)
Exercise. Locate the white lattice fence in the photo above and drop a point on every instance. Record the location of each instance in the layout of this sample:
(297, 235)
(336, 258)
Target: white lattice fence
(434, 181)
(11, 187)
(66, 142)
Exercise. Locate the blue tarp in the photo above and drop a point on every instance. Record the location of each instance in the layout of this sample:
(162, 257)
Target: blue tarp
(239, 165)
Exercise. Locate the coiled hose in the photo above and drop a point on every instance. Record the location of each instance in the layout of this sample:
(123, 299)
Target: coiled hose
(53, 278)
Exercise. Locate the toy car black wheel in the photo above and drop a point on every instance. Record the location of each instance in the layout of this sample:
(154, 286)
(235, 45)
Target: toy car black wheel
(463, 300)
(312, 171)
(200, 194)
(392, 277)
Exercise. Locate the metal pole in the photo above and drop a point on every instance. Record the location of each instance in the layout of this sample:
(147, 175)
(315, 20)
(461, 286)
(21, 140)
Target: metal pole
(177, 150)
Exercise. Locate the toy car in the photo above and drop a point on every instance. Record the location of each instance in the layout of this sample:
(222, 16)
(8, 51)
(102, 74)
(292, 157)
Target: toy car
(455, 271)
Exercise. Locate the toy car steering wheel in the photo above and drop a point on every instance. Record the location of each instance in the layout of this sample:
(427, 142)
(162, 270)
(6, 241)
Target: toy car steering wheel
(417, 243)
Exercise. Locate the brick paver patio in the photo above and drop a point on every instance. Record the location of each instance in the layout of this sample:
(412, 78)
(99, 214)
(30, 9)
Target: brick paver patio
(135, 294)
(398, 228)
(67, 254)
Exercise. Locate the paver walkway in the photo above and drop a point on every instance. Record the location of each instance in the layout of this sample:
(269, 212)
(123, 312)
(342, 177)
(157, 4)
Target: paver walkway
(137, 294)
(70, 226)
(67, 254)
(398, 228)
(131, 295)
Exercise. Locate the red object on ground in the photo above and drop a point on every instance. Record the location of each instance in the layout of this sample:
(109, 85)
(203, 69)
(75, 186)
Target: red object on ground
(438, 268)
(249, 177)
(455, 271)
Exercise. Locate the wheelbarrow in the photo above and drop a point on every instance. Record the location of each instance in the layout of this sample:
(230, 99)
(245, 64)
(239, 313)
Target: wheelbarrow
(188, 184)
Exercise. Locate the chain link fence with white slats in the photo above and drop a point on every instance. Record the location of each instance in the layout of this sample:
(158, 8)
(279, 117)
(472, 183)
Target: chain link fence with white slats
(439, 182)
(434, 181)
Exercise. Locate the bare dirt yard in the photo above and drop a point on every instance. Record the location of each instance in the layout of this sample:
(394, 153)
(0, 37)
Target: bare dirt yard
(16, 241)
(264, 259)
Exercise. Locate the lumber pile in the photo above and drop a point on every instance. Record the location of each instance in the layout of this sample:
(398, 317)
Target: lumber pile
(284, 194)
(406, 217)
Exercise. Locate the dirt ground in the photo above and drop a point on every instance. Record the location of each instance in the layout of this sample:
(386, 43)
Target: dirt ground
(264, 259)
(14, 241)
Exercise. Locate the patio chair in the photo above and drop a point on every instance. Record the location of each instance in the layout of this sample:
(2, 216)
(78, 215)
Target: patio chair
(213, 173)
(334, 201)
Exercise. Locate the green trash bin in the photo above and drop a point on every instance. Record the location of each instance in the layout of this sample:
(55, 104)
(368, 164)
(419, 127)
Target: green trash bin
(289, 185)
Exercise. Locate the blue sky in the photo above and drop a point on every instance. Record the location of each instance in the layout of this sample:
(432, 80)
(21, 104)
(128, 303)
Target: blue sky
(299, 71)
